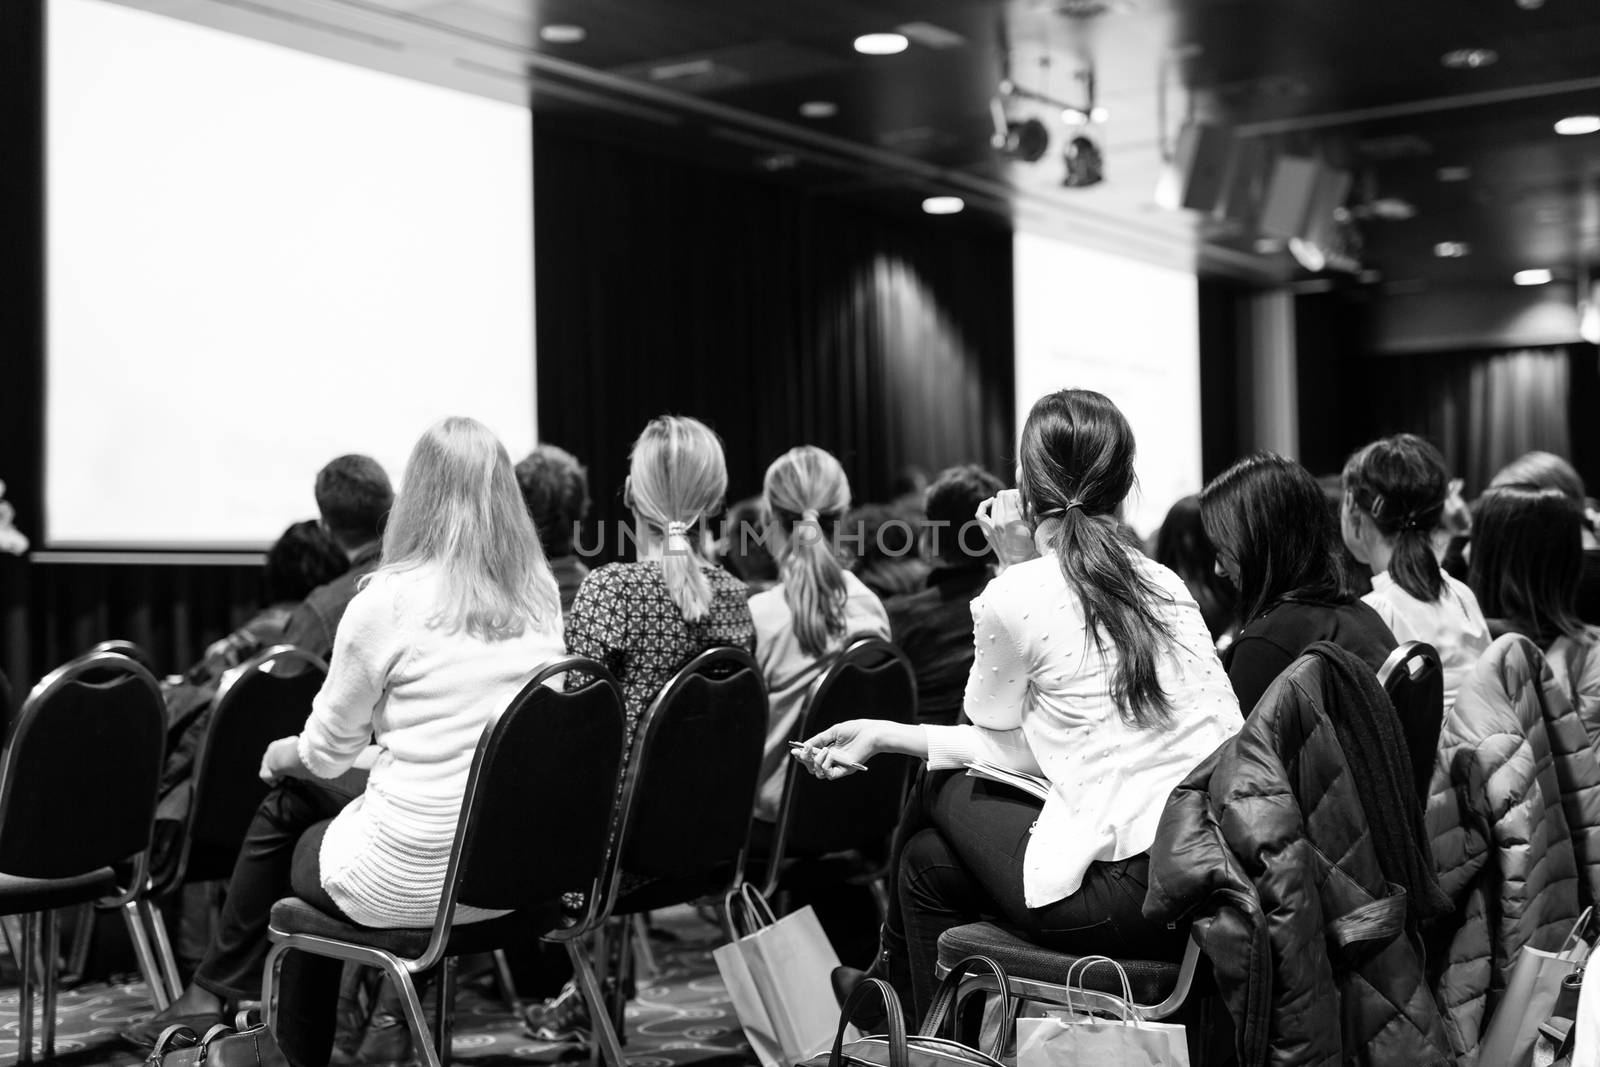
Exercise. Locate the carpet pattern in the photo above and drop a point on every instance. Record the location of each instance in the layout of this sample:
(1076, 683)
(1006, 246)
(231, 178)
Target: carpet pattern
(680, 1017)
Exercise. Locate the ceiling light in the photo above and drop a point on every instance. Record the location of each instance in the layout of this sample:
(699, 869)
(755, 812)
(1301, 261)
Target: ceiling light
(1451, 249)
(819, 109)
(943, 205)
(881, 44)
(1539, 276)
(1073, 117)
(1098, 114)
(1589, 322)
(1469, 58)
(1453, 174)
(1573, 125)
(562, 33)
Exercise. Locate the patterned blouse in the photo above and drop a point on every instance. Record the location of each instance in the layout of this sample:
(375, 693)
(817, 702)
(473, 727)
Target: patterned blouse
(625, 618)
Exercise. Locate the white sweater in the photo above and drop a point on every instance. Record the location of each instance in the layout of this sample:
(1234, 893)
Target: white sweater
(1039, 697)
(425, 696)
(1453, 625)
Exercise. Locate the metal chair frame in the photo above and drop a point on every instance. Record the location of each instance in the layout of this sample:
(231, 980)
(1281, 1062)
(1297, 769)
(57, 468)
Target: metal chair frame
(434, 1048)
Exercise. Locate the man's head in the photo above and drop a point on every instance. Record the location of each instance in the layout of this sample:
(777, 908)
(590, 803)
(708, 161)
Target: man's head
(354, 497)
(953, 499)
(555, 487)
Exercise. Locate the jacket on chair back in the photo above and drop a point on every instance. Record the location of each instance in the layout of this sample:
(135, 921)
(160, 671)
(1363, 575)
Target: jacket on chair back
(1286, 849)
(1513, 764)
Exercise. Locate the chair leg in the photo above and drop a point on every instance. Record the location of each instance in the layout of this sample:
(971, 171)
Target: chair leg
(644, 953)
(25, 993)
(445, 997)
(880, 897)
(606, 1042)
(145, 955)
(82, 937)
(52, 942)
(269, 985)
(508, 985)
(411, 1006)
(157, 926)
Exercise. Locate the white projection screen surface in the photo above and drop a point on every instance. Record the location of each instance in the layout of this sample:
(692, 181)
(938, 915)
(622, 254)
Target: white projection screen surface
(1131, 330)
(259, 259)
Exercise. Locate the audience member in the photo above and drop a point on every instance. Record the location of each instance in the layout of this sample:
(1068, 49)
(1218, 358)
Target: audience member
(1357, 579)
(354, 498)
(1527, 553)
(1181, 546)
(1278, 542)
(742, 549)
(1394, 500)
(816, 610)
(934, 625)
(555, 487)
(1545, 470)
(431, 649)
(1095, 670)
(884, 539)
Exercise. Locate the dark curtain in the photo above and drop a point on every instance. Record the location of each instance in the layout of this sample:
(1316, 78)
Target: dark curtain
(777, 316)
(1483, 409)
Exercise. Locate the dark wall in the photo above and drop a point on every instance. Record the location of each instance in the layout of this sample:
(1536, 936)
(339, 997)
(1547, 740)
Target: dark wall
(778, 316)
(1223, 398)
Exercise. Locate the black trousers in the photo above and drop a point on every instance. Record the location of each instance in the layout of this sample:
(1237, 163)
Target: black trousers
(280, 859)
(961, 845)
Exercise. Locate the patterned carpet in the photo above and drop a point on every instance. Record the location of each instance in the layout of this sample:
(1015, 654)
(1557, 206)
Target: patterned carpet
(682, 1017)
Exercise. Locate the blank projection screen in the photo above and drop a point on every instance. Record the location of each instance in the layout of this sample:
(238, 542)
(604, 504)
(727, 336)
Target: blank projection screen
(1131, 330)
(260, 259)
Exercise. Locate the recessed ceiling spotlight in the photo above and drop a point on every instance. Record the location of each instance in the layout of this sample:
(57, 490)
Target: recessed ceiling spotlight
(943, 205)
(881, 44)
(1451, 249)
(562, 33)
(1530, 5)
(1539, 276)
(1469, 58)
(1573, 125)
(819, 109)
(1073, 117)
(1099, 114)
(1453, 174)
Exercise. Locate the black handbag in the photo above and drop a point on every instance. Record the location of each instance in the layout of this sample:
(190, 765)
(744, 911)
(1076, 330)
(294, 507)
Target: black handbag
(247, 1043)
(928, 1047)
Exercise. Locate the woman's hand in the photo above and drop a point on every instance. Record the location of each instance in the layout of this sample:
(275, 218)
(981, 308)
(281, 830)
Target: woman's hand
(1009, 535)
(282, 760)
(830, 754)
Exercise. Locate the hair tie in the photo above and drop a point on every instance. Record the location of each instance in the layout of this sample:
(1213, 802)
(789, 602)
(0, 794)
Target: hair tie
(1061, 512)
(810, 515)
(677, 529)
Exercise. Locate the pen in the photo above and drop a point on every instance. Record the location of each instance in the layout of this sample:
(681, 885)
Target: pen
(799, 746)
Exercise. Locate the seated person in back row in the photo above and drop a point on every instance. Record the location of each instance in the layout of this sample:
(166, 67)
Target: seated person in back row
(354, 497)
(555, 487)
(934, 625)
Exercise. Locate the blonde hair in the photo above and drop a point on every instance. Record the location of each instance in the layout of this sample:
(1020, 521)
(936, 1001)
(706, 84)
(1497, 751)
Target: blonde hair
(677, 477)
(807, 493)
(460, 508)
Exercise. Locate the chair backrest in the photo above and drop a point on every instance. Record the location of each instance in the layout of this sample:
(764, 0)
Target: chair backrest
(79, 774)
(1414, 680)
(873, 679)
(257, 702)
(120, 647)
(690, 786)
(544, 778)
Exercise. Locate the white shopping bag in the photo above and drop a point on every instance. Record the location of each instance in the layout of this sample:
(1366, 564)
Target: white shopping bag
(1076, 1038)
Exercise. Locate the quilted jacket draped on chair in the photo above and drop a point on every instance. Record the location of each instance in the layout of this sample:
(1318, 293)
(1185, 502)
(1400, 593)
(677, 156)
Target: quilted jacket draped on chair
(1514, 817)
(1266, 847)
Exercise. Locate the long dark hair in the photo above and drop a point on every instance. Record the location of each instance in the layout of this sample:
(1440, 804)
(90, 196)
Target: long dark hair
(1183, 548)
(1401, 482)
(1268, 515)
(1527, 553)
(1077, 467)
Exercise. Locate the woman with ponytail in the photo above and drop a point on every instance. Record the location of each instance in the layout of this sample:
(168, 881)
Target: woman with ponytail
(1094, 670)
(645, 620)
(1395, 491)
(817, 608)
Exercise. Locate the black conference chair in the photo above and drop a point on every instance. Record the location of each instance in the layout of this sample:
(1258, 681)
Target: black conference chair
(121, 647)
(258, 702)
(870, 679)
(1414, 681)
(544, 777)
(686, 800)
(77, 800)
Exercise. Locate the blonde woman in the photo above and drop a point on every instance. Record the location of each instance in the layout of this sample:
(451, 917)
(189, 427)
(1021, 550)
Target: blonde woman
(816, 609)
(450, 627)
(645, 620)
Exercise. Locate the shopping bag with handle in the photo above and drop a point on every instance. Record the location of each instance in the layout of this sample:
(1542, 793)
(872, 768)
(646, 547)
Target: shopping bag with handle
(778, 979)
(1530, 998)
(1079, 1038)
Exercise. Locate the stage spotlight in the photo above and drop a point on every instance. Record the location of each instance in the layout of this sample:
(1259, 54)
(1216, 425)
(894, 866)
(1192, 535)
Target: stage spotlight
(1027, 140)
(1085, 165)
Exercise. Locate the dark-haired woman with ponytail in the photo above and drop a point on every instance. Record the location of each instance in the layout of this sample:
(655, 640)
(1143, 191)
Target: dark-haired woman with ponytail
(1094, 670)
(1395, 491)
(816, 608)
